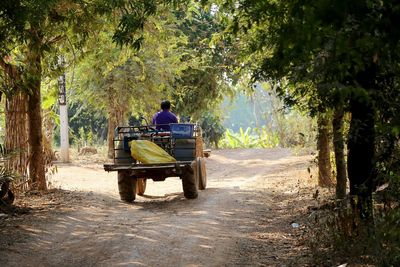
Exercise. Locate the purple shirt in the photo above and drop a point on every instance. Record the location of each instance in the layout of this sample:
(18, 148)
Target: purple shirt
(164, 117)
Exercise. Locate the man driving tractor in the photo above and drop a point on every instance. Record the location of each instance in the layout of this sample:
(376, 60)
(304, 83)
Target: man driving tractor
(163, 118)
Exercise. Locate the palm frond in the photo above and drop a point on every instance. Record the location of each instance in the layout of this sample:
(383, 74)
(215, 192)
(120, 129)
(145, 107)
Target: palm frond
(7, 175)
(6, 154)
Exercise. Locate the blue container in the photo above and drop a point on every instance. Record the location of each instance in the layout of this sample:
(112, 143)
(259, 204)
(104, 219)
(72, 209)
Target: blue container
(182, 130)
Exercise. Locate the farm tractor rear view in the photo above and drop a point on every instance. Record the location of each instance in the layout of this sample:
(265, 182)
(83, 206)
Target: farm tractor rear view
(144, 152)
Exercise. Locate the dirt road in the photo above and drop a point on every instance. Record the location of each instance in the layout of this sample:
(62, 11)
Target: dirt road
(243, 218)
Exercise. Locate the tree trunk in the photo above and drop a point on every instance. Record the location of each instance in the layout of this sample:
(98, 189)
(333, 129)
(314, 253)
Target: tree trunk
(338, 144)
(16, 135)
(117, 110)
(110, 135)
(324, 162)
(48, 127)
(33, 76)
(361, 146)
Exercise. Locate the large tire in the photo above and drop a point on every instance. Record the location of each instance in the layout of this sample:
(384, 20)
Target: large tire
(202, 174)
(126, 186)
(6, 195)
(4, 187)
(189, 182)
(141, 186)
(195, 168)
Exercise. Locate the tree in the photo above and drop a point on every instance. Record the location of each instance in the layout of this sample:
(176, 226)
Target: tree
(35, 28)
(16, 130)
(324, 152)
(203, 83)
(127, 81)
(174, 62)
(341, 48)
(32, 30)
(338, 145)
(16, 136)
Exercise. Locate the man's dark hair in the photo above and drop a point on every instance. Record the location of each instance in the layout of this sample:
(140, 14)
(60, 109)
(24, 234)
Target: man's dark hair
(165, 104)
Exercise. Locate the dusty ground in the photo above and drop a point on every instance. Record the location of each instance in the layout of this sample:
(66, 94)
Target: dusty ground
(244, 218)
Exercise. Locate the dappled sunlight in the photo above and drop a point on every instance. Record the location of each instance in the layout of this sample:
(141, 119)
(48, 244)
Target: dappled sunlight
(159, 224)
(235, 213)
(255, 154)
(131, 263)
(205, 246)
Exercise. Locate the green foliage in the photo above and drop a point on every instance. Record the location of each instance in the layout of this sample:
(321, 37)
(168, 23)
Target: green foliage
(89, 138)
(132, 82)
(322, 52)
(91, 121)
(250, 138)
(175, 62)
(212, 127)
(263, 110)
(6, 174)
(210, 72)
(327, 54)
(134, 15)
(388, 235)
(84, 138)
(267, 139)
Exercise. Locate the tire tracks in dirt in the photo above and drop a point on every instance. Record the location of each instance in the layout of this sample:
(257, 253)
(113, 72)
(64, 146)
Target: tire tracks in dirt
(242, 219)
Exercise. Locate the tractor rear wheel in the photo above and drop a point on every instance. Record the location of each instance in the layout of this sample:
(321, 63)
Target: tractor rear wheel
(126, 186)
(189, 181)
(202, 173)
(6, 195)
(4, 187)
(141, 186)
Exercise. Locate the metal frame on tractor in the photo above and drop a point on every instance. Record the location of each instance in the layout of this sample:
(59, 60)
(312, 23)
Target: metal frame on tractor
(185, 146)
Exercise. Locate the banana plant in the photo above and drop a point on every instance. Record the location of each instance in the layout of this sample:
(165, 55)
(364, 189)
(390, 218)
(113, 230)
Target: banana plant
(250, 138)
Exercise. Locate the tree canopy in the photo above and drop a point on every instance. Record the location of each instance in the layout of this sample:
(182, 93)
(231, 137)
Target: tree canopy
(325, 52)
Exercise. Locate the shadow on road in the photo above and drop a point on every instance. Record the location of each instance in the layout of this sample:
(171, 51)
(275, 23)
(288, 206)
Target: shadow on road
(90, 229)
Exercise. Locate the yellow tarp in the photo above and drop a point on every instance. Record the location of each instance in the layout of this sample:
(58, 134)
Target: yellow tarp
(148, 152)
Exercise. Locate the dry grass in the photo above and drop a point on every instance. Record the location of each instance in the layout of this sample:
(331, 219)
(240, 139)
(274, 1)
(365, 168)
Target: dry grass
(335, 237)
